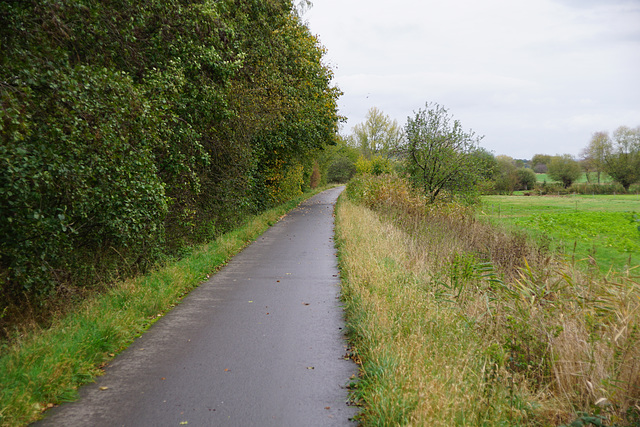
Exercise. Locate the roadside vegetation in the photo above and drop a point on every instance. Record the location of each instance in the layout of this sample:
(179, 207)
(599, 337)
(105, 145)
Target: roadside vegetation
(469, 309)
(134, 136)
(457, 322)
(42, 367)
(130, 131)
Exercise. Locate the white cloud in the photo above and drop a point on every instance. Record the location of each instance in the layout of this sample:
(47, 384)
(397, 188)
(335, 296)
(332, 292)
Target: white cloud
(532, 75)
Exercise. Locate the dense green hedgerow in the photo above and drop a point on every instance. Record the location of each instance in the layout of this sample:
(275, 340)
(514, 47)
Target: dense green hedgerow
(132, 129)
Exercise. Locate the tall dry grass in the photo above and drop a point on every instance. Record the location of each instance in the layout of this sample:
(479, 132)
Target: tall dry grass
(457, 322)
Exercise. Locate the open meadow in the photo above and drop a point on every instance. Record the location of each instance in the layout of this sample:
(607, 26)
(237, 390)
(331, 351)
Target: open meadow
(602, 227)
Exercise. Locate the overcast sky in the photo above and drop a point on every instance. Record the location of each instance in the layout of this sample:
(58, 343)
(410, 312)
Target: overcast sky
(533, 76)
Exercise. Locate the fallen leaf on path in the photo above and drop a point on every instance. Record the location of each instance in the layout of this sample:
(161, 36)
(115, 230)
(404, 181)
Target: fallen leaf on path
(327, 407)
(104, 388)
(310, 367)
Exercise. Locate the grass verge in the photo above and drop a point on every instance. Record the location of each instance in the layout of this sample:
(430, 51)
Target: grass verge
(455, 322)
(43, 368)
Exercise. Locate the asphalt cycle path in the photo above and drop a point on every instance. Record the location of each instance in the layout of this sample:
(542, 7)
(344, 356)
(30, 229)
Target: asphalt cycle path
(260, 344)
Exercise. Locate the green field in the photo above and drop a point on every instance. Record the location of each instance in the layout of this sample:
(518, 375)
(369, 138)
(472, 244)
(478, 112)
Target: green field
(604, 227)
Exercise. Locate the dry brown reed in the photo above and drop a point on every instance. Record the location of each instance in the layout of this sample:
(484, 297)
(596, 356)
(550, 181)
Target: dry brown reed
(478, 325)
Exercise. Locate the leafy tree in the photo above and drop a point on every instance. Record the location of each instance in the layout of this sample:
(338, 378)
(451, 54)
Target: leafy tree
(129, 129)
(526, 178)
(506, 177)
(487, 162)
(587, 166)
(564, 168)
(282, 95)
(439, 154)
(488, 165)
(540, 163)
(510, 176)
(622, 159)
(377, 135)
(594, 154)
(337, 162)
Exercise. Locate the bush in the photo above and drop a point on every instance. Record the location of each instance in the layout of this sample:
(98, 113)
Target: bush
(565, 169)
(584, 188)
(376, 165)
(540, 168)
(341, 170)
(79, 179)
(132, 129)
(527, 179)
(551, 189)
(286, 184)
(487, 187)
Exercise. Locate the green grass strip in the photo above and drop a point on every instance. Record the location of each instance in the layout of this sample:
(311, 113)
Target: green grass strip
(46, 367)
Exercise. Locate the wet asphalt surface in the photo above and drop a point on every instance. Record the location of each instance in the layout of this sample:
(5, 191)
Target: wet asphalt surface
(260, 344)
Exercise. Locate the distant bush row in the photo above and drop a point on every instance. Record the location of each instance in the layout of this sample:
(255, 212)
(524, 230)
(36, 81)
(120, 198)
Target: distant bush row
(129, 130)
(544, 188)
(585, 188)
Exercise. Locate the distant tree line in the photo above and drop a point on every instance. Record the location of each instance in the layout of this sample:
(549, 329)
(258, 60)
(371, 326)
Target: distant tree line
(432, 149)
(436, 154)
(439, 156)
(131, 129)
(618, 158)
